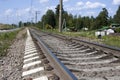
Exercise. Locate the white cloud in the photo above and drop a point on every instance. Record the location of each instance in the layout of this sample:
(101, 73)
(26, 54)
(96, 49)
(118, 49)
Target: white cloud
(43, 1)
(85, 8)
(90, 13)
(92, 5)
(25, 11)
(17, 12)
(110, 10)
(8, 12)
(73, 8)
(49, 7)
(85, 5)
(65, 0)
(116, 2)
(80, 3)
(21, 12)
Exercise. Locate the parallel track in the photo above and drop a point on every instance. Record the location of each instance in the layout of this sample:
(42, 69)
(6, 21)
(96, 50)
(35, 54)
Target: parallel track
(40, 63)
(85, 62)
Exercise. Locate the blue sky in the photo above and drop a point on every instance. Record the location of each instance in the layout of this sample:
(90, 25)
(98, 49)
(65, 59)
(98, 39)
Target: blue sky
(13, 11)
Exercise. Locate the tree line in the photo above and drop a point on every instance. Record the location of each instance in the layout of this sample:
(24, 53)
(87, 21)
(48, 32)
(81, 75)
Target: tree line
(50, 20)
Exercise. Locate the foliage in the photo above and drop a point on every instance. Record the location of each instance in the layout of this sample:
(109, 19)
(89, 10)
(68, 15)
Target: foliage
(117, 16)
(47, 26)
(7, 26)
(78, 22)
(112, 40)
(117, 30)
(5, 41)
(20, 24)
(57, 14)
(101, 19)
(49, 18)
(26, 24)
(57, 10)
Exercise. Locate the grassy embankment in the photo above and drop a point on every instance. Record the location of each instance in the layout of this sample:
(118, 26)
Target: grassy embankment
(90, 35)
(112, 40)
(5, 40)
(6, 27)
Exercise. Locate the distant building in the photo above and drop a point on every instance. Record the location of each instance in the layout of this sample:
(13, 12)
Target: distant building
(105, 30)
(109, 31)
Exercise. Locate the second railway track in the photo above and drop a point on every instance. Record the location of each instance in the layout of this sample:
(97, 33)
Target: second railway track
(84, 62)
(40, 63)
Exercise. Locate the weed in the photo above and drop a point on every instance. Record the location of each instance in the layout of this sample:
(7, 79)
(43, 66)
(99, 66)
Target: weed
(5, 41)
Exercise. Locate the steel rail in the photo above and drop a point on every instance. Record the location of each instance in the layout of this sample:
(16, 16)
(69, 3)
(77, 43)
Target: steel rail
(84, 41)
(60, 68)
(97, 44)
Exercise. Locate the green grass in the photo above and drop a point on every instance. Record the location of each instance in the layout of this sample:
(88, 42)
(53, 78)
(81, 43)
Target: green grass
(89, 34)
(5, 40)
(112, 40)
(108, 40)
(5, 26)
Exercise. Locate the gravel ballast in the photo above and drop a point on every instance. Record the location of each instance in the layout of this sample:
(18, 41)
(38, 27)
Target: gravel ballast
(84, 62)
(11, 65)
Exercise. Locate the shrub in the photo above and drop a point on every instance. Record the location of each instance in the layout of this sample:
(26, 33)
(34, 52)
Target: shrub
(47, 26)
(117, 30)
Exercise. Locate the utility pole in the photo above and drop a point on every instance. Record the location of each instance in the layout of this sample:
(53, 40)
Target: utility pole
(31, 12)
(36, 17)
(60, 15)
(36, 13)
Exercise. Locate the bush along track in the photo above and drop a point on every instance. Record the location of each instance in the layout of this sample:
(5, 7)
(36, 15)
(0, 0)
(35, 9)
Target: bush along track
(6, 40)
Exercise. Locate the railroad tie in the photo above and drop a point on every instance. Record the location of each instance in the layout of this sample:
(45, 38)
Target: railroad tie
(32, 68)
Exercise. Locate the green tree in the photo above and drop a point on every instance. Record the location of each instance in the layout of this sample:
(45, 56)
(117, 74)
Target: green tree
(117, 16)
(86, 22)
(44, 19)
(27, 23)
(70, 21)
(20, 24)
(101, 19)
(65, 17)
(57, 10)
(49, 18)
(92, 20)
(80, 23)
(110, 20)
(57, 14)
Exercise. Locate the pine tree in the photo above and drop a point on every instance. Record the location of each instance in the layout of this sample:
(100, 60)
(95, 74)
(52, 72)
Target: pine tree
(117, 16)
(49, 18)
(101, 19)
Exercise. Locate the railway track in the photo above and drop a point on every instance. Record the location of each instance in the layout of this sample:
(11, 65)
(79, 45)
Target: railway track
(85, 62)
(41, 64)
